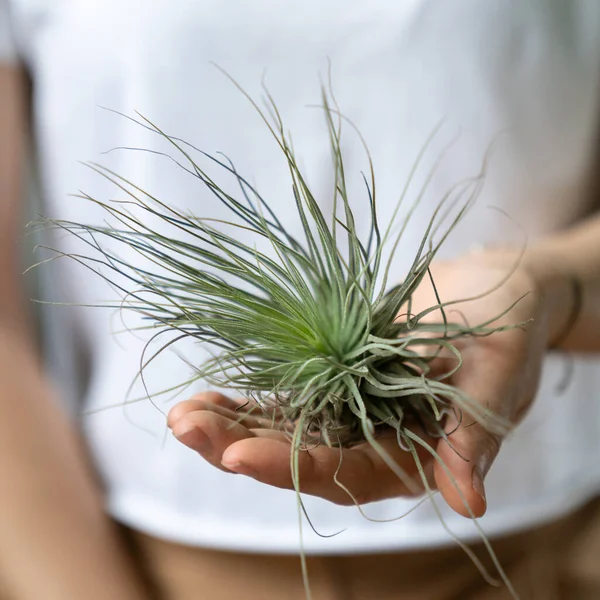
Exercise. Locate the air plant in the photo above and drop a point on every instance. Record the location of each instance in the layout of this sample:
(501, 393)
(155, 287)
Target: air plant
(316, 333)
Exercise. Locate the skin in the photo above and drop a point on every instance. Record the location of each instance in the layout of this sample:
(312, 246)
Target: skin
(500, 371)
(56, 543)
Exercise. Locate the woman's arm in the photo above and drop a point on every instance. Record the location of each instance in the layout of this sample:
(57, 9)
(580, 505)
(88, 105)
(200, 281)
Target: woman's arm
(559, 264)
(56, 542)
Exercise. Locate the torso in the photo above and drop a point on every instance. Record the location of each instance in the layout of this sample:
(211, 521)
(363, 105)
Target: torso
(524, 76)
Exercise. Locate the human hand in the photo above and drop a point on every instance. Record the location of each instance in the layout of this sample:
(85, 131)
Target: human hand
(500, 372)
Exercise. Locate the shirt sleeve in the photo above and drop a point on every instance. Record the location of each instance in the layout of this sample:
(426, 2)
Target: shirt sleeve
(8, 52)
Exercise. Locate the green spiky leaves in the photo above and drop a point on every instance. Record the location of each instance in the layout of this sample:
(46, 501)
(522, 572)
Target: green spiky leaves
(303, 326)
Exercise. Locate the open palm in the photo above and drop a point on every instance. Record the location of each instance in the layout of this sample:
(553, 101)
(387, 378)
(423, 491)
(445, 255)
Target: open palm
(500, 372)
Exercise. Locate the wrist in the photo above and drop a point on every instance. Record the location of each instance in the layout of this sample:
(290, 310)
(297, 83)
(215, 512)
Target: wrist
(560, 293)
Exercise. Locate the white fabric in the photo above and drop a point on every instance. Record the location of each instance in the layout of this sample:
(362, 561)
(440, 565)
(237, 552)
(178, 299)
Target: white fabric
(525, 70)
(7, 45)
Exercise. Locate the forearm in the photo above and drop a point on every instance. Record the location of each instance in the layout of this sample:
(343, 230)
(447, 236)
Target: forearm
(56, 541)
(554, 262)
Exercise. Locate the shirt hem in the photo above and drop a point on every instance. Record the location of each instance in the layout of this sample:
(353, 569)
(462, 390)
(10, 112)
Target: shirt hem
(140, 514)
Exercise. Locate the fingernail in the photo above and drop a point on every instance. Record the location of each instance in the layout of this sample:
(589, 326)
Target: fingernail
(194, 438)
(241, 468)
(477, 483)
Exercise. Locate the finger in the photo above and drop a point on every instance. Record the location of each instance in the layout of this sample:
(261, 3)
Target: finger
(223, 406)
(360, 470)
(471, 448)
(238, 417)
(210, 433)
(467, 462)
(182, 408)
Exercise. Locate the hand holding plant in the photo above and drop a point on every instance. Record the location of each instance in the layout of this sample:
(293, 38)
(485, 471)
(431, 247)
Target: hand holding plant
(499, 371)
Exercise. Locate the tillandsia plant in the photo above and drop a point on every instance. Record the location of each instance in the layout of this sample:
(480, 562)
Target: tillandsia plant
(306, 332)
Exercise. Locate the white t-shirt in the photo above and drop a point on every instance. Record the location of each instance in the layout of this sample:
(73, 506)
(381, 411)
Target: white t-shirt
(529, 70)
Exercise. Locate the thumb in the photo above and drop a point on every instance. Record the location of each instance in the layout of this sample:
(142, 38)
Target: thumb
(488, 377)
(467, 454)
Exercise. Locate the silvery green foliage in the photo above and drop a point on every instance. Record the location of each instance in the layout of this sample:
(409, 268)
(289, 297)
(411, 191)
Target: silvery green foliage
(307, 329)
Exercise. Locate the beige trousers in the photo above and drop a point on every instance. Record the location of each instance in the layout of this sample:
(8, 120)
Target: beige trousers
(556, 562)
